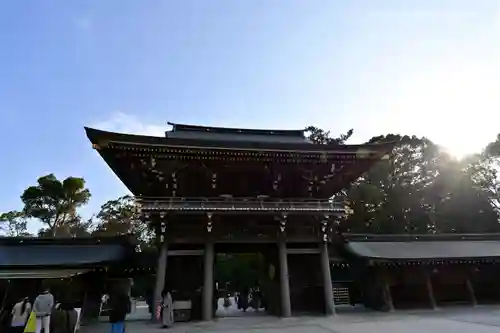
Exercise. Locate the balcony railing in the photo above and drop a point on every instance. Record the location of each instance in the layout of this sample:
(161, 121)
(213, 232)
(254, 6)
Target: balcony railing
(230, 204)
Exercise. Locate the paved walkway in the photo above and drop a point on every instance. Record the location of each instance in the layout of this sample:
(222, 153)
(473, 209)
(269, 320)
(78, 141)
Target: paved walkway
(451, 320)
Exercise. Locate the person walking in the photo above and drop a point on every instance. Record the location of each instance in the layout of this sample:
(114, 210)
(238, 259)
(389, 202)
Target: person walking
(42, 308)
(63, 318)
(167, 313)
(119, 305)
(150, 299)
(243, 300)
(20, 314)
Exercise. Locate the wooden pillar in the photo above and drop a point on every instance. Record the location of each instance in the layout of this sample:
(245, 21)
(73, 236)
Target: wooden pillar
(430, 290)
(327, 280)
(388, 295)
(161, 269)
(161, 273)
(470, 290)
(208, 281)
(286, 307)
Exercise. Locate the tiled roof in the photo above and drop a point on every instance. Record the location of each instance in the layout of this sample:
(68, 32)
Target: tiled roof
(426, 248)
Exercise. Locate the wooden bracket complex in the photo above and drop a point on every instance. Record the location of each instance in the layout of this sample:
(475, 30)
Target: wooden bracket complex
(209, 222)
(283, 221)
(163, 227)
(324, 227)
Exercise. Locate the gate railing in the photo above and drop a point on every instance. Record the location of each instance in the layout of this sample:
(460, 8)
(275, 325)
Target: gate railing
(240, 204)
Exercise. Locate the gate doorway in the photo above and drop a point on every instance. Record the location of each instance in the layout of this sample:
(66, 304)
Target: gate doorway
(245, 280)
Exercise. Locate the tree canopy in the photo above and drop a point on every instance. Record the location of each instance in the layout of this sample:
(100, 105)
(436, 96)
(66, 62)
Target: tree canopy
(14, 224)
(120, 217)
(54, 203)
(421, 189)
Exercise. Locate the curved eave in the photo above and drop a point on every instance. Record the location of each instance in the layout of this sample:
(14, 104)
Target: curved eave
(40, 273)
(124, 240)
(116, 168)
(352, 237)
(424, 247)
(103, 138)
(58, 255)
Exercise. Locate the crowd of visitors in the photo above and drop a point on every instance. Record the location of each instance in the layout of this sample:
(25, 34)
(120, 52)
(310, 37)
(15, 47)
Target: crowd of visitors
(25, 317)
(250, 297)
(37, 314)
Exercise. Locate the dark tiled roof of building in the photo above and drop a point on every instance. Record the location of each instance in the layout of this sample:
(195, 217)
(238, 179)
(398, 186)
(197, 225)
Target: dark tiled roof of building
(50, 252)
(421, 247)
(90, 240)
(100, 137)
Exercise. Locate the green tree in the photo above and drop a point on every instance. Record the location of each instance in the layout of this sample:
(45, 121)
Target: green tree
(390, 197)
(420, 189)
(121, 217)
(319, 136)
(14, 224)
(76, 227)
(460, 206)
(483, 169)
(55, 203)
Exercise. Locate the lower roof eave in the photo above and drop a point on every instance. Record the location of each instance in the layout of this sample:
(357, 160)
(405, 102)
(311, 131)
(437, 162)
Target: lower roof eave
(40, 273)
(124, 240)
(434, 260)
(426, 250)
(70, 266)
(56, 255)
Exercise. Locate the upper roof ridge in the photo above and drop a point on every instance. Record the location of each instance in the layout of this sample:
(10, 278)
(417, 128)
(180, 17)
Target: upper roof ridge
(233, 130)
(184, 131)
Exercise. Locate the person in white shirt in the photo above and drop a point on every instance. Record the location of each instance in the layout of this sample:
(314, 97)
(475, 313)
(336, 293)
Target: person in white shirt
(20, 314)
(42, 307)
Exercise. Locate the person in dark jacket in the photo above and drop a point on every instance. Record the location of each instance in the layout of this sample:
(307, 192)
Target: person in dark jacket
(64, 318)
(119, 304)
(150, 299)
(243, 300)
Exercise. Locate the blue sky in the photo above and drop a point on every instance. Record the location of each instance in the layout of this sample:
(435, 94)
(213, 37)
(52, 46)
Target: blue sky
(419, 67)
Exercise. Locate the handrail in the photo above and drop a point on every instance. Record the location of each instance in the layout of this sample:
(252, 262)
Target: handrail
(237, 205)
(237, 199)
